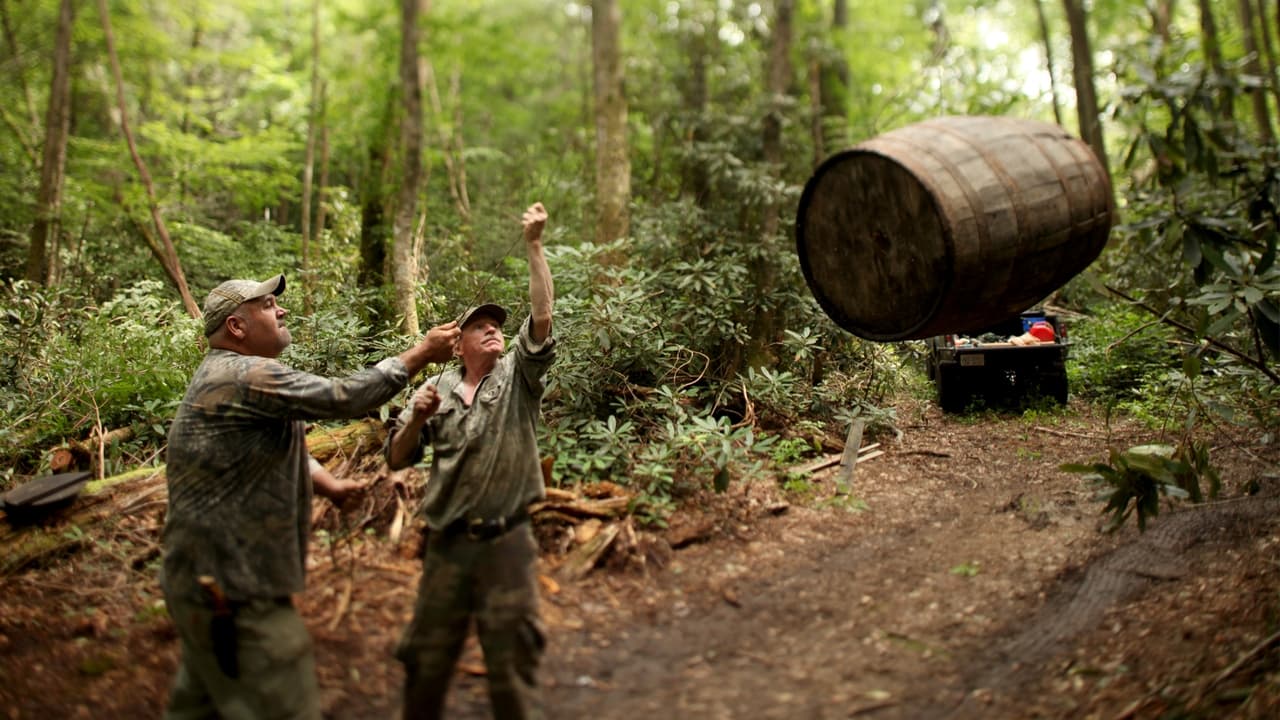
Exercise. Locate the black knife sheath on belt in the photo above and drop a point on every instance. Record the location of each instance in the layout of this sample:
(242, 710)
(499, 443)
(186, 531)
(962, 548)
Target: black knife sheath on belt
(222, 628)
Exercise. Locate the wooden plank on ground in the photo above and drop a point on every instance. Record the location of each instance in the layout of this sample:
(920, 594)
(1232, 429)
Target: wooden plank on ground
(849, 459)
(823, 463)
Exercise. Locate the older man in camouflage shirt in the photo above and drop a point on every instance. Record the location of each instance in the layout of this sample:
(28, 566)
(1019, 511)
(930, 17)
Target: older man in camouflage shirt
(481, 424)
(239, 475)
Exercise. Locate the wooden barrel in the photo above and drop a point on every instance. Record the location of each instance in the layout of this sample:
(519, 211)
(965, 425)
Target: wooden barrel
(950, 225)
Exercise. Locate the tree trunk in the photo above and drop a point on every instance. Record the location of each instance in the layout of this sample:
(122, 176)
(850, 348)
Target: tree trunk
(404, 263)
(1253, 66)
(45, 229)
(460, 160)
(937, 19)
(1264, 32)
(309, 159)
(1048, 61)
(33, 119)
(373, 223)
(695, 184)
(833, 90)
(322, 197)
(450, 143)
(777, 85)
(373, 210)
(613, 160)
(197, 36)
(19, 72)
(1161, 18)
(164, 248)
(1213, 53)
(1082, 71)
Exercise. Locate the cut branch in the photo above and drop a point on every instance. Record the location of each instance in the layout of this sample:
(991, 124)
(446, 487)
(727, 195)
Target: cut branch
(1242, 357)
(170, 263)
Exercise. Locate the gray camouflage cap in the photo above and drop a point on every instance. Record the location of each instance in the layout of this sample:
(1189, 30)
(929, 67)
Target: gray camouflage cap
(486, 310)
(224, 299)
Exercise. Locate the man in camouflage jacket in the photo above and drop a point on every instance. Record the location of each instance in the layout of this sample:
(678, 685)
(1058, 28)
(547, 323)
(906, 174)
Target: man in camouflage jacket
(240, 488)
(479, 563)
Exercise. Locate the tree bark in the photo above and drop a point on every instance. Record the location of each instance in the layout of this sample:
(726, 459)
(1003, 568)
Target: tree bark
(169, 256)
(1082, 71)
(18, 70)
(777, 85)
(451, 143)
(322, 196)
(1048, 61)
(1213, 53)
(1162, 18)
(404, 262)
(613, 160)
(1264, 32)
(309, 158)
(373, 224)
(45, 229)
(695, 184)
(1253, 66)
(833, 90)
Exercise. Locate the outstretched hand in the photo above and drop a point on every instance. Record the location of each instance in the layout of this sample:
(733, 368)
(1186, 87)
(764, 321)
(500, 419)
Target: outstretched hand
(440, 341)
(338, 491)
(534, 220)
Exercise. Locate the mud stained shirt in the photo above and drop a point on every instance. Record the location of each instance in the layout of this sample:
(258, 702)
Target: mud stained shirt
(238, 470)
(484, 461)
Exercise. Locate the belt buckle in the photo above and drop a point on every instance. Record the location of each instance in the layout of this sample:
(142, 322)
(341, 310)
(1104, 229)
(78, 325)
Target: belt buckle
(478, 529)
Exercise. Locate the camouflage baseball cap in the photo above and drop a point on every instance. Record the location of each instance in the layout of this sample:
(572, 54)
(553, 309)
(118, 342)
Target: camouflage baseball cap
(487, 310)
(224, 299)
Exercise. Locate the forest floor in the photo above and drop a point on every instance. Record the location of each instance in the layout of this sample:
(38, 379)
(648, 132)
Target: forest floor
(965, 576)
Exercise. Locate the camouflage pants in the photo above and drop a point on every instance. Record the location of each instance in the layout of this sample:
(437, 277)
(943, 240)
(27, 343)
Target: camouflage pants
(492, 582)
(277, 676)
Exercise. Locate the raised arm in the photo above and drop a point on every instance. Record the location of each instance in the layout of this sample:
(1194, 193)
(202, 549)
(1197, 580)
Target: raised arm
(541, 289)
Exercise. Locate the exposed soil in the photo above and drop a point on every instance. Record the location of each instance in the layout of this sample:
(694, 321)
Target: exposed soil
(965, 576)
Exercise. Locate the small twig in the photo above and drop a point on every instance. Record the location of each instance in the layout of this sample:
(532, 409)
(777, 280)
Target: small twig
(87, 591)
(392, 568)
(102, 442)
(1254, 651)
(1066, 433)
(930, 453)
(1256, 364)
(758, 658)
(344, 601)
(872, 707)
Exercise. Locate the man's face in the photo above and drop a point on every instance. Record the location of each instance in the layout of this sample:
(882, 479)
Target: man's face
(482, 337)
(263, 323)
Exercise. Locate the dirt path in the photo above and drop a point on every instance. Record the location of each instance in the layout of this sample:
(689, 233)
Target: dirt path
(966, 577)
(962, 588)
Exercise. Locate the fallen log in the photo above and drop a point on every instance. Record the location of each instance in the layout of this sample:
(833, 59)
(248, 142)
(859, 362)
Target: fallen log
(64, 530)
(606, 508)
(22, 546)
(82, 454)
(325, 443)
(584, 558)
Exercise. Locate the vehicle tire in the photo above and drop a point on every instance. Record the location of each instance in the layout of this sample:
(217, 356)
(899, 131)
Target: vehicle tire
(953, 395)
(1055, 386)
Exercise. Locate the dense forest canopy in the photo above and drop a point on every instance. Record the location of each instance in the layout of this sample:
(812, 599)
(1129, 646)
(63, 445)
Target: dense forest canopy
(151, 149)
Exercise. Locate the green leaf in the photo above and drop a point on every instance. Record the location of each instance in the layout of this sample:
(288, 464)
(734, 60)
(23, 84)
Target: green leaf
(721, 480)
(1268, 255)
(1267, 308)
(1191, 365)
(1190, 245)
